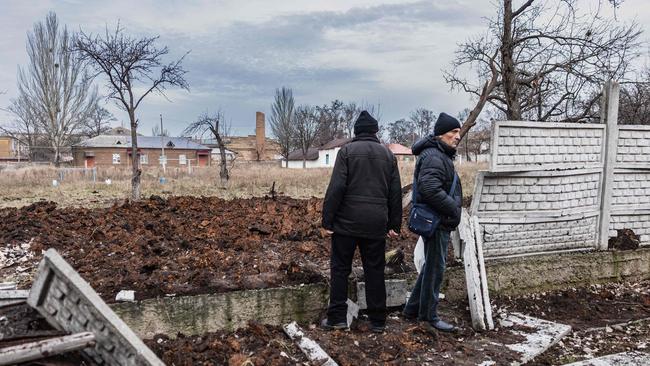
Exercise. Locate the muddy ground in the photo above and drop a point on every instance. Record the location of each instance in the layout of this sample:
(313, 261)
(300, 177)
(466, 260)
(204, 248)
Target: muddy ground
(180, 245)
(605, 319)
(587, 310)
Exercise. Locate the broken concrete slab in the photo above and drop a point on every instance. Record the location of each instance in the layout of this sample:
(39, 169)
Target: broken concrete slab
(7, 285)
(68, 303)
(633, 358)
(13, 294)
(46, 348)
(543, 335)
(311, 349)
(125, 295)
(12, 297)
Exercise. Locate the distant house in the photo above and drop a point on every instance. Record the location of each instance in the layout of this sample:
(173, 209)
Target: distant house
(401, 152)
(12, 150)
(321, 157)
(115, 150)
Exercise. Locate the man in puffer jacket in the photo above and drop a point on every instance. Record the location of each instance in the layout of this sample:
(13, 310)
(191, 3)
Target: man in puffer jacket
(362, 205)
(435, 175)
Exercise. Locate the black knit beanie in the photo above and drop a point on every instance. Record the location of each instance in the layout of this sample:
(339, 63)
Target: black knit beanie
(444, 124)
(365, 124)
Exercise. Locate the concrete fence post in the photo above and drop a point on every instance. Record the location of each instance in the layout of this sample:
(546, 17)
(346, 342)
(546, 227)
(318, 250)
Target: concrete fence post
(609, 116)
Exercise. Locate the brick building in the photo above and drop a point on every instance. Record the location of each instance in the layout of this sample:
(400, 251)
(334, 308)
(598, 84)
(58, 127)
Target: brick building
(252, 147)
(401, 152)
(115, 150)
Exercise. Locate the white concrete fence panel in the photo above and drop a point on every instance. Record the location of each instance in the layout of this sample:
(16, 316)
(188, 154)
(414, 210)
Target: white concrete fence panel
(564, 186)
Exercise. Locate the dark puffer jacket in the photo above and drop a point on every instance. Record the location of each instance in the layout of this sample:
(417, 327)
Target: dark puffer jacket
(364, 197)
(436, 174)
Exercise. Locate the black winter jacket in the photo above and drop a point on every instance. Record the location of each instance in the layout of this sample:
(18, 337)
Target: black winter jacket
(435, 176)
(364, 197)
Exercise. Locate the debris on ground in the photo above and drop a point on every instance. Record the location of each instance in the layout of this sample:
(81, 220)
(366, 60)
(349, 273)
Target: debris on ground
(256, 344)
(184, 245)
(625, 239)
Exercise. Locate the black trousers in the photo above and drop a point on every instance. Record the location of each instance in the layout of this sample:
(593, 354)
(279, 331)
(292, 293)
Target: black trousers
(373, 259)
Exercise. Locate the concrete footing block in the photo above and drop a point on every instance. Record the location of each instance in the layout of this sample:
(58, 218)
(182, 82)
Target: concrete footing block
(396, 292)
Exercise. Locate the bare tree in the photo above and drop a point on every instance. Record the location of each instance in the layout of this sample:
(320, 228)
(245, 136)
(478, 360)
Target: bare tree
(55, 93)
(282, 114)
(422, 121)
(544, 61)
(634, 107)
(634, 102)
(477, 140)
(402, 132)
(330, 119)
(99, 122)
(349, 117)
(307, 126)
(25, 127)
(217, 127)
(128, 65)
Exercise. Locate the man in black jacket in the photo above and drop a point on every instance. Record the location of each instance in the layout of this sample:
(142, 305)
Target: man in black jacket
(435, 174)
(362, 205)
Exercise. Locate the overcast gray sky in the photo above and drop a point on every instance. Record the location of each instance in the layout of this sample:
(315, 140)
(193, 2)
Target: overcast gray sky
(385, 52)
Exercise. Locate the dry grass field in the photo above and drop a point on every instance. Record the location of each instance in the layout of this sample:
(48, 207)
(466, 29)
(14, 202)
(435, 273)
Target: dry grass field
(25, 185)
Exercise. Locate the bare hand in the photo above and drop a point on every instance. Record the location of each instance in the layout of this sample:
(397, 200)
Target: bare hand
(392, 234)
(329, 232)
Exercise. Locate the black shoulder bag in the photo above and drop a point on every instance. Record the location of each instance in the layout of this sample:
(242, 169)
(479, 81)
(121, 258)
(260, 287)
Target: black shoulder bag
(422, 220)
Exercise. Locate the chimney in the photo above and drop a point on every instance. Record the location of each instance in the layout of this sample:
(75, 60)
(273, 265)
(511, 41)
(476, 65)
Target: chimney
(260, 135)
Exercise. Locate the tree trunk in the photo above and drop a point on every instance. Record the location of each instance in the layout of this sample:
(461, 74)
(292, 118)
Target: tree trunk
(485, 93)
(223, 170)
(57, 156)
(508, 72)
(135, 159)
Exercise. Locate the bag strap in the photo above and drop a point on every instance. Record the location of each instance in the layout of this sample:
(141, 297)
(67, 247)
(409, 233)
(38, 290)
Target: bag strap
(453, 185)
(416, 173)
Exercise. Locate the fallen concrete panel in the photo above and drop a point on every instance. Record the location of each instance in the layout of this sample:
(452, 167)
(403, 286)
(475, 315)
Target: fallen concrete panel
(543, 337)
(68, 303)
(633, 358)
(472, 272)
(46, 348)
(230, 310)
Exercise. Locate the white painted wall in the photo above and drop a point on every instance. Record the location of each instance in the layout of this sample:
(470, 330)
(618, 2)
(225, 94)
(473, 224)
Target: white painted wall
(326, 159)
(297, 164)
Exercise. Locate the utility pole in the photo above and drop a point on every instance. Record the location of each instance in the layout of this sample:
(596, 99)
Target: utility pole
(163, 159)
